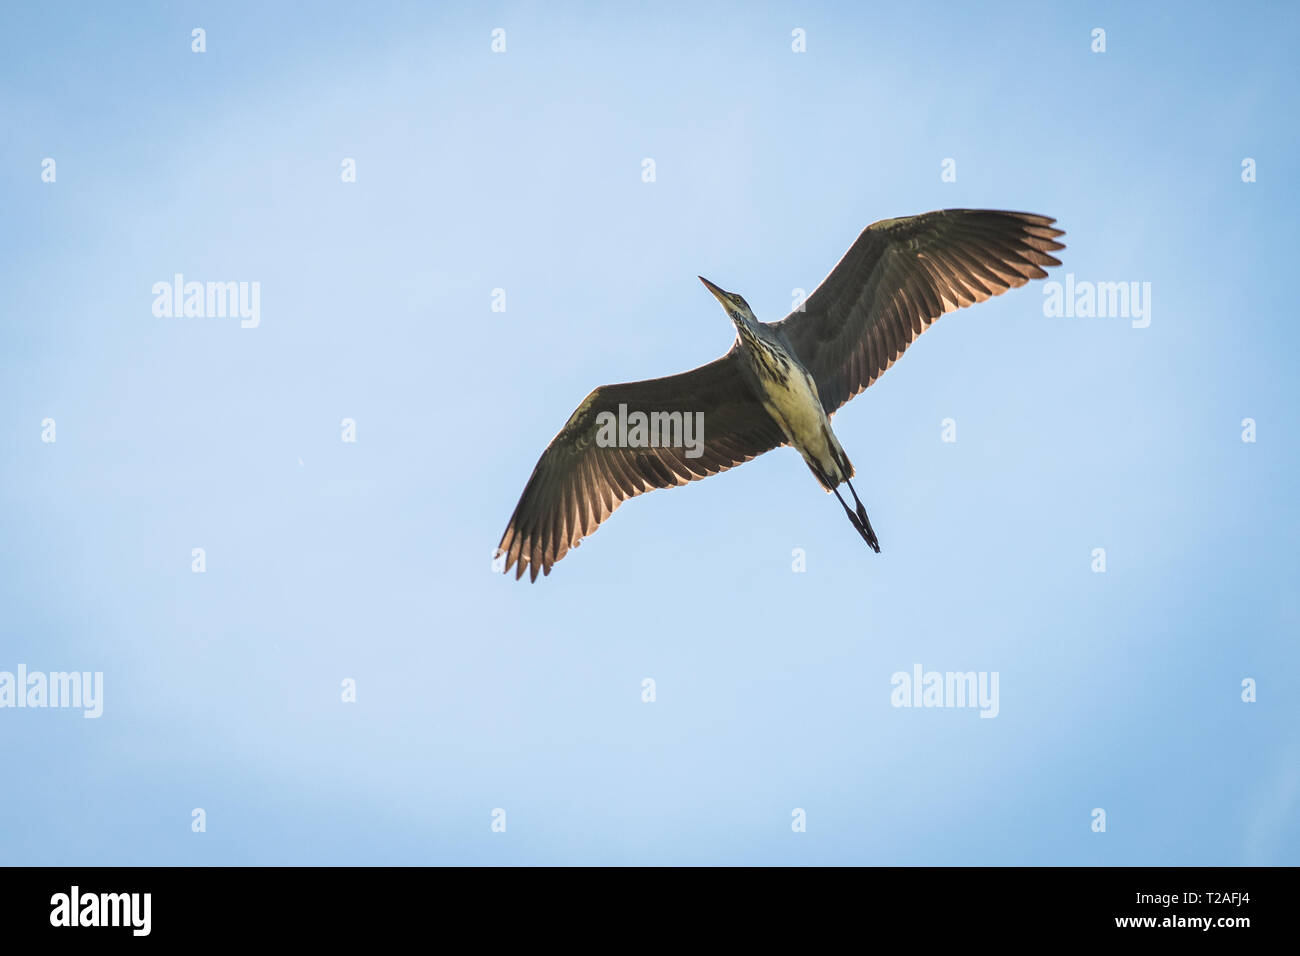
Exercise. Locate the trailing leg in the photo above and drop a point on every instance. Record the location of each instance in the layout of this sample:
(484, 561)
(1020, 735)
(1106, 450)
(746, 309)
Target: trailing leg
(859, 520)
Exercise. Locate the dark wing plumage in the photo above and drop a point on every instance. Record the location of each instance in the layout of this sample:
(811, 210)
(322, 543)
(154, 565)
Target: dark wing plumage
(899, 277)
(577, 484)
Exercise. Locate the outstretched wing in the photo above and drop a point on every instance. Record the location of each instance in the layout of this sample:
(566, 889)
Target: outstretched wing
(899, 277)
(579, 482)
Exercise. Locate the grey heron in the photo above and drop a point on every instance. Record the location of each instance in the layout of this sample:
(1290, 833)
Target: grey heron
(781, 382)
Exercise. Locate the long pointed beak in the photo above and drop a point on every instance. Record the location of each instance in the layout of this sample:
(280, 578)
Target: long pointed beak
(717, 293)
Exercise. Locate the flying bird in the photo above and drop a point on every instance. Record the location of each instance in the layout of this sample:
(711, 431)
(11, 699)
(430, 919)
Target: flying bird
(779, 384)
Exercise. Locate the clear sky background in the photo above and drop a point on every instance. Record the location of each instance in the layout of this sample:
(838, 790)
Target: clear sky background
(523, 171)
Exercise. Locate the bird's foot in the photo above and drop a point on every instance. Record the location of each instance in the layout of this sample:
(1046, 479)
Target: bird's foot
(864, 526)
(860, 522)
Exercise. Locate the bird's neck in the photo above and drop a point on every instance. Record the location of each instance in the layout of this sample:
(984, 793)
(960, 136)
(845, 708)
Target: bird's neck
(767, 354)
(744, 324)
(749, 330)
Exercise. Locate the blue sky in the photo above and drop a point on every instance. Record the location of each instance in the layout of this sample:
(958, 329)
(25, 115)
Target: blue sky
(370, 561)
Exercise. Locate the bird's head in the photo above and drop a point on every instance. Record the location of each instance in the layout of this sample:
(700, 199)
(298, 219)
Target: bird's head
(735, 305)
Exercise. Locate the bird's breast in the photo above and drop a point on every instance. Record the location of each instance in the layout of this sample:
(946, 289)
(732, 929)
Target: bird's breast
(790, 397)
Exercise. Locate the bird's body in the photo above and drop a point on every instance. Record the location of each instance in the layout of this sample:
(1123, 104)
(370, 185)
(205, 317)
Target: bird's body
(788, 393)
(792, 401)
(780, 382)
